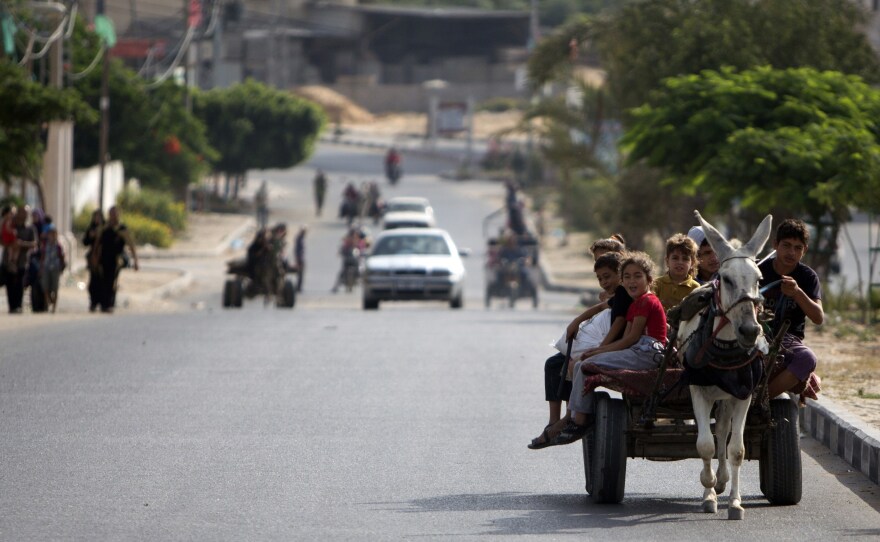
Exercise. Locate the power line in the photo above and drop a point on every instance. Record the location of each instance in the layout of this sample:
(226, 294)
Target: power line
(90, 67)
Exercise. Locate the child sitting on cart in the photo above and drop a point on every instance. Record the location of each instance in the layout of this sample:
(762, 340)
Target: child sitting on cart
(644, 337)
(598, 325)
(681, 262)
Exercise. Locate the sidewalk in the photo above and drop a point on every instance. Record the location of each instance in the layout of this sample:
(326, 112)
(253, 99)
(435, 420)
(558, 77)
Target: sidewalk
(157, 280)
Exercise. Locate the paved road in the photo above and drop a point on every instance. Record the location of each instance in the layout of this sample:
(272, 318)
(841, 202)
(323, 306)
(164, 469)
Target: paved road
(328, 422)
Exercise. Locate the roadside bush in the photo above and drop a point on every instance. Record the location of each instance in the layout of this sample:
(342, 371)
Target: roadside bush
(82, 219)
(157, 205)
(145, 230)
(500, 105)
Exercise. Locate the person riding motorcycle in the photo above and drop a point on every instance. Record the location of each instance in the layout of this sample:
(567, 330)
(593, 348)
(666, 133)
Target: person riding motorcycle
(392, 164)
(354, 243)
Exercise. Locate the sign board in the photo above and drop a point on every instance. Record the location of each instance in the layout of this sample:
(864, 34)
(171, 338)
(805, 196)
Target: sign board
(451, 117)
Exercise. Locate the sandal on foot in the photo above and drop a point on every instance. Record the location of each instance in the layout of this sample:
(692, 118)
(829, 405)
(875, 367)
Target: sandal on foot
(543, 440)
(571, 433)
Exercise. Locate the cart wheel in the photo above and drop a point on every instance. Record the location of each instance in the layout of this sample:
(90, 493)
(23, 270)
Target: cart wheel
(535, 299)
(488, 297)
(456, 302)
(237, 293)
(514, 292)
(605, 451)
(228, 293)
(780, 463)
(370, 304)
(288, 295)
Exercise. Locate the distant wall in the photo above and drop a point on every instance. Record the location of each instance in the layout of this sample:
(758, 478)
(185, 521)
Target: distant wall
(86, 182)
(389, 98)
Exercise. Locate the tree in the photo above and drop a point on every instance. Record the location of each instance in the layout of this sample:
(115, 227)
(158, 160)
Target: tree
(142, 123)
(254, 126)
(798, 141)
(25, 106)
(645, 42)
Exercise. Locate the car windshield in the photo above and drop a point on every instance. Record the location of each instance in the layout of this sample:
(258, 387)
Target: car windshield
(411, 244)
(401, 207)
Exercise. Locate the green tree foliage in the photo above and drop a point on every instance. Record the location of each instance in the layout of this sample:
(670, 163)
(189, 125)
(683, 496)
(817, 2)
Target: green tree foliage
(159, 142)
(254, 126)
(552, 59)
(645, 42)
(797, 141)
(24, 108)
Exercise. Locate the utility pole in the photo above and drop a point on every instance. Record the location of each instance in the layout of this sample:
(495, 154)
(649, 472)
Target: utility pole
(58, 158)
(217, 47)
(104, 106)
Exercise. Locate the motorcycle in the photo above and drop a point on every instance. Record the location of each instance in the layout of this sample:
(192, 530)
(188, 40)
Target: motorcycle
(351, 260)
(393, 172)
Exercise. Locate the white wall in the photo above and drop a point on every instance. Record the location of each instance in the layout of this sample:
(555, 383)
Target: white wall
(84, 189)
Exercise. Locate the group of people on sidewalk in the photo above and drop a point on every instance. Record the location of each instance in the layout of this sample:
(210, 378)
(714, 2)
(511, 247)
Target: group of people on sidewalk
(32, 258)
(629, 326)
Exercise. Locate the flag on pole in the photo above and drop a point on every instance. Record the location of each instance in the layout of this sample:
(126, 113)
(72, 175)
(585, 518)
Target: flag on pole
(105, 30)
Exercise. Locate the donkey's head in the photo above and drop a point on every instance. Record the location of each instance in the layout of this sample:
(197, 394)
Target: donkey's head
(738, 281)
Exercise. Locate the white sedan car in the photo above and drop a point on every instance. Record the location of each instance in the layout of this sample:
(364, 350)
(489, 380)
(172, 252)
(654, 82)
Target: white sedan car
(408, 212)
(413, 264)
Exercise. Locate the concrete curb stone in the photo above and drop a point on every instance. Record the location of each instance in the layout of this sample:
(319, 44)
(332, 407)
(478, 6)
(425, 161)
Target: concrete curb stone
(845, 435)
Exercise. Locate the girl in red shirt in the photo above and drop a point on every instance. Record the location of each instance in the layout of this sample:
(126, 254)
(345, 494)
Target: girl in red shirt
(644, 336)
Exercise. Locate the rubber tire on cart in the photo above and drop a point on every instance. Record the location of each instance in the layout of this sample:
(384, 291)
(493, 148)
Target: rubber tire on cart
(780, 464)
(237, 293)
(605, 451)
(535, 299)
(456, 302)
(228, 292)
(512, 295)
(288, 295)
(370, 304)
(488, 297)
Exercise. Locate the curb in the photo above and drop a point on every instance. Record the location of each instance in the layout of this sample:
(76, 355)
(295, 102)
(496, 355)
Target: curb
(845, 435)
(549, 284)
(159, 254)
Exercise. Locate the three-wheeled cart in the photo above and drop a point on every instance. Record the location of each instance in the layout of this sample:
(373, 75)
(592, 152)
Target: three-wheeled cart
(249, 281)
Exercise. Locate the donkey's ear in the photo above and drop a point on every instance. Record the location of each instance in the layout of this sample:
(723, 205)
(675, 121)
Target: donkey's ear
(719, 244)
(759, 239)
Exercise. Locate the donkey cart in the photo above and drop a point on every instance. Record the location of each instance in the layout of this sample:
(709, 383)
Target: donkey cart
(625, 427)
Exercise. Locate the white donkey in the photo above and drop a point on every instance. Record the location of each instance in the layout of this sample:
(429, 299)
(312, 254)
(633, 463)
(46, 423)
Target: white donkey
(714, 354)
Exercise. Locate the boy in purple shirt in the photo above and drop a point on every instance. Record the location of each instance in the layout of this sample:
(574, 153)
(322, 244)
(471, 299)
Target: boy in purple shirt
(796, 297)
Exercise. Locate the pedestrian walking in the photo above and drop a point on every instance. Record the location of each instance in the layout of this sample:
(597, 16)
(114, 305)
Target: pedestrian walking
(90, 239)
(299, 256)
(111, 257)
(25, 240)
(261, 200)
(52, 263)
(320, 191)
